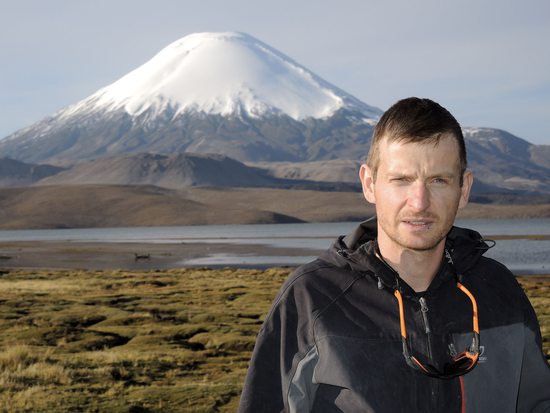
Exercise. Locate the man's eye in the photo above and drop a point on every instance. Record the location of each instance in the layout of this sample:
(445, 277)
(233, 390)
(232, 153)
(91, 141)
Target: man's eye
(440, 181)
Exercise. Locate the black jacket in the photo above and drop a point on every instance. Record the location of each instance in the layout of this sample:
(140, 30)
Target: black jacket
(331, 342)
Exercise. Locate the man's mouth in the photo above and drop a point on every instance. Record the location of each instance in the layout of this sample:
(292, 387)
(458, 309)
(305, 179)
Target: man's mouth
(418, 223)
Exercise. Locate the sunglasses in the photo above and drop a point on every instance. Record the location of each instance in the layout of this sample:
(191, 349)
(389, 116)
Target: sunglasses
(461, 363)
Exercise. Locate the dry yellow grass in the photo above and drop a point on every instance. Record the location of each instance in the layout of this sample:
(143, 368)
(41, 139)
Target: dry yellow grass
(176, 340)
(125, 341)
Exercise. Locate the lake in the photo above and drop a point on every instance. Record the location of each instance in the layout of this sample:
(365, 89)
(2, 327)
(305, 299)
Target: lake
(520, 255)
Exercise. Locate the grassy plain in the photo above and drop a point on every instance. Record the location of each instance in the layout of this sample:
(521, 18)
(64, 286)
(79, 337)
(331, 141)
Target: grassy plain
(141, 341)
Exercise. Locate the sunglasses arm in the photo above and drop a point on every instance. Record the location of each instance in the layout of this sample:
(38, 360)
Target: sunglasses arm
(474, 348)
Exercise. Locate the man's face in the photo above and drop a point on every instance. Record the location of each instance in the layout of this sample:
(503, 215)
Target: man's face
(416, 192)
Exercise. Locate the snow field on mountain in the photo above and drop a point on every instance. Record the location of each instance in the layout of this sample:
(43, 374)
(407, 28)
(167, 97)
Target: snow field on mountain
(222, 73)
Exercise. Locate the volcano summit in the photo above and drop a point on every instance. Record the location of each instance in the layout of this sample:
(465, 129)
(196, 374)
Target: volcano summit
(225, 93)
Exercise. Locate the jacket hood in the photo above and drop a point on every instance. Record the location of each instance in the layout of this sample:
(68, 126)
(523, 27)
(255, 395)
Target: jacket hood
(358, 252)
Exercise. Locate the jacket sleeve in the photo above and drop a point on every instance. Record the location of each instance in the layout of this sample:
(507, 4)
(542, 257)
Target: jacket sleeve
(534, 391)
(279, 377)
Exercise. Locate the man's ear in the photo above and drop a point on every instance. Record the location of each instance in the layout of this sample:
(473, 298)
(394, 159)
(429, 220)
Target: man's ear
(467, 182)
(367, 182)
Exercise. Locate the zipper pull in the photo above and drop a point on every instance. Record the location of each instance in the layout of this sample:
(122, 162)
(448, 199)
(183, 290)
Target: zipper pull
(424, 309)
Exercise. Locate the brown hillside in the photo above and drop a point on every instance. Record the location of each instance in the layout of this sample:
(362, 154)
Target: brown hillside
(168, 171)
(83, 206)
(115, 206)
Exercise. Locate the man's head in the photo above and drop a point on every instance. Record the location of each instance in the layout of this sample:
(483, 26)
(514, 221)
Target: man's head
(416, 120)
(416, 175)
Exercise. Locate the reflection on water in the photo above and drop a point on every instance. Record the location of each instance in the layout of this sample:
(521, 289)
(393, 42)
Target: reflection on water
(520, 255)
(214, 260)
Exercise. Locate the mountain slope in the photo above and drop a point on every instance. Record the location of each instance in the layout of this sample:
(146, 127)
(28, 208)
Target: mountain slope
(181, 171)
(227, 93)
(174, 171)
(16, 173)
(88, 206)
(500, 158)
(540, 154)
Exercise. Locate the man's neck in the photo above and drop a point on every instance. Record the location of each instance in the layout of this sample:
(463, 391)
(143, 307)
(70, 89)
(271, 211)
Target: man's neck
(416, 268)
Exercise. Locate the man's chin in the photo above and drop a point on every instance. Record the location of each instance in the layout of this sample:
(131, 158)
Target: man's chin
(421, 245)
(422, 248)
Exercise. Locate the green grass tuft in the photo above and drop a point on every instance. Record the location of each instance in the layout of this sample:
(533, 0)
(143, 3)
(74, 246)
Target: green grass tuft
(123, 341)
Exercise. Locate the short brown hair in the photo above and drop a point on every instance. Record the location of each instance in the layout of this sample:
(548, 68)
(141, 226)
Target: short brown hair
(416, 120)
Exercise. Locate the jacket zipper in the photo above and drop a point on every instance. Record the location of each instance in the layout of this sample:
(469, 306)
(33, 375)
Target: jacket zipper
(428, 330)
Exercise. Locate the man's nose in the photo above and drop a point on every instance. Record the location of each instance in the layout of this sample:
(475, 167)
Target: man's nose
(419, 196)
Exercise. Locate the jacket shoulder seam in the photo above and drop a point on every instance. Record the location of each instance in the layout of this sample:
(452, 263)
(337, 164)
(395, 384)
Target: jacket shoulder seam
(334, 300)
(296, 278)
(283, 292)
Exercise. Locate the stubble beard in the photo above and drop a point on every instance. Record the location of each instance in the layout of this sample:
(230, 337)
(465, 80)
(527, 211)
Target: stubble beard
(419, 242)
(421, 246)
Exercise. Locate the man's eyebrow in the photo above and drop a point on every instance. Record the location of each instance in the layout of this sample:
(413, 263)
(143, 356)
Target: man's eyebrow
(398, 175)
(444, 174)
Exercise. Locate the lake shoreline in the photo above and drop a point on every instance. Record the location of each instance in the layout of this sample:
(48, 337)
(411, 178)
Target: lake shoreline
(124, 255)
(522, 245)
(100, 255)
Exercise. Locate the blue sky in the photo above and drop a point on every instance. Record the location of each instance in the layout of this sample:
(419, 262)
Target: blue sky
(486, 61)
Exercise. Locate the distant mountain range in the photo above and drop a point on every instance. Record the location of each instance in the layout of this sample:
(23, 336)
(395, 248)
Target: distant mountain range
(209, 102)
(182, 171)
(501, 159)
(178, 171)
(168, 171)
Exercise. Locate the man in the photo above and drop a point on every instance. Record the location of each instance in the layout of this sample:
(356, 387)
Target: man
(404, 314)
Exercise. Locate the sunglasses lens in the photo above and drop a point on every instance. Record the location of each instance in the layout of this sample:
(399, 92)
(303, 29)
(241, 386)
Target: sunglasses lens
(462, 364)
(426, 368)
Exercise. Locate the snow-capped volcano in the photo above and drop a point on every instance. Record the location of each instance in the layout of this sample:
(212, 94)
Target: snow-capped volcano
(233, 95)
(223, 73)
(225, 93)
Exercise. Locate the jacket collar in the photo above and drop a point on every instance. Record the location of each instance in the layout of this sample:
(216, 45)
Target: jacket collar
(358, 252)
